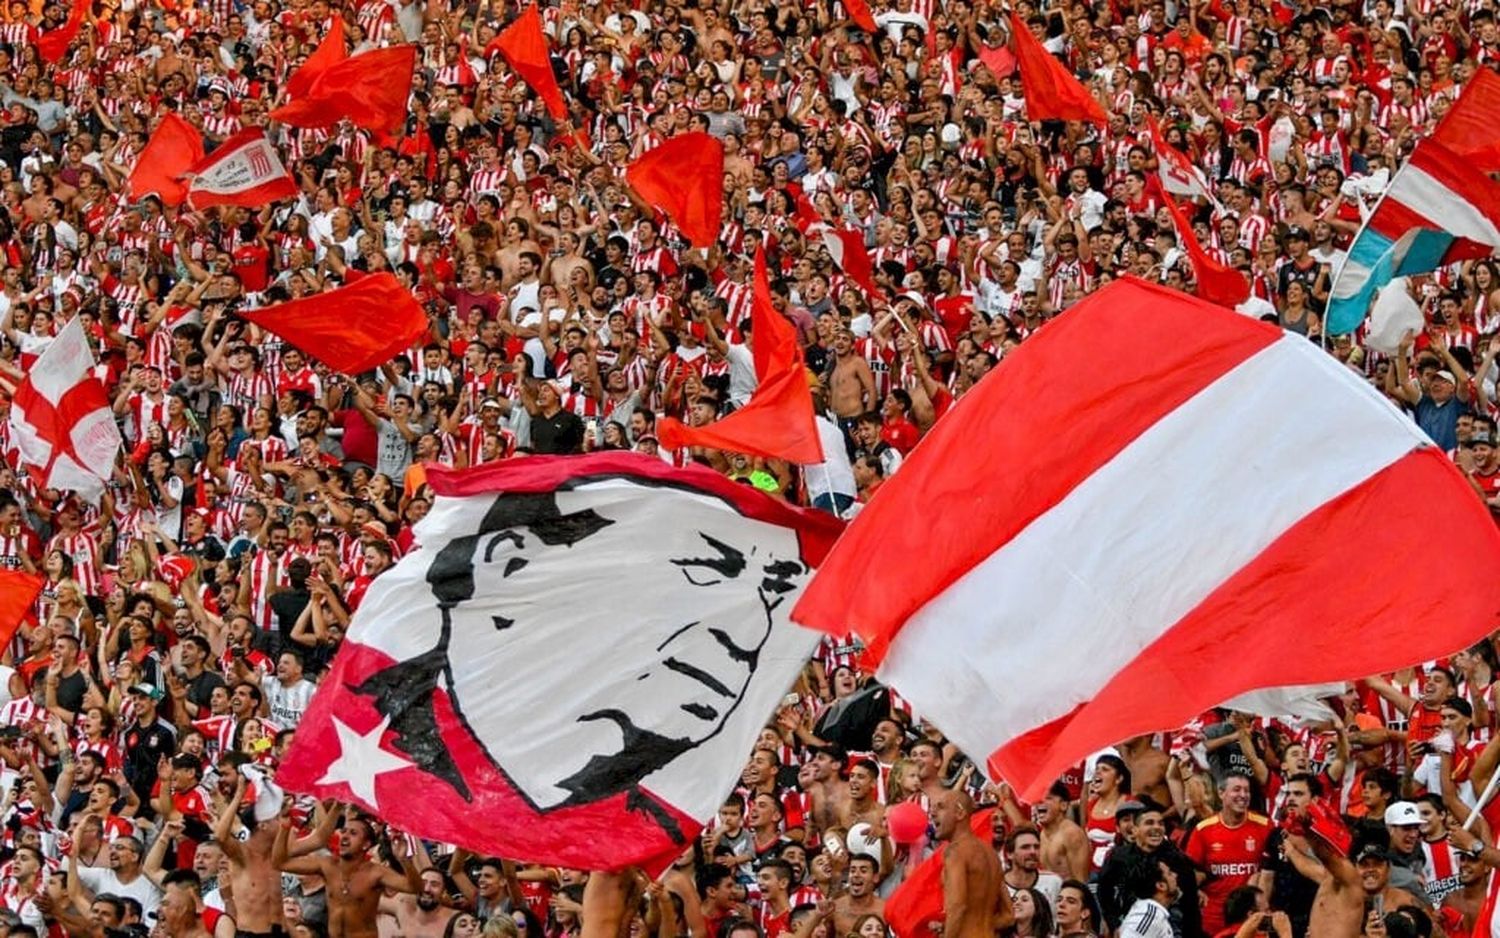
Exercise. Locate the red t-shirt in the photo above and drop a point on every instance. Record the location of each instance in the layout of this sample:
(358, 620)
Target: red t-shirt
(1231, 857)
(250, 266)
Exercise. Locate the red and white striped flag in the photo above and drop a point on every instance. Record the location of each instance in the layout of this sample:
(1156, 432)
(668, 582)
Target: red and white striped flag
(1223, 508)
(245, 170)
(60, 418)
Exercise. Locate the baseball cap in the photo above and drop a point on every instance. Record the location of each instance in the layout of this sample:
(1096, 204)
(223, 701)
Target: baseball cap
(1402, 814)
(489, 402)
(915, 297)
(1372, 852)
(1130, 808)
(1296, 231)
(1445, 375)
(147, 690)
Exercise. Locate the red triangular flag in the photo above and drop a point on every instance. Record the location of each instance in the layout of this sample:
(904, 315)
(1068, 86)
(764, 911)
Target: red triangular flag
(859, 12)
(684, 177)
(18, 590)
(1216, 282)
(351, 329)
(917, 904)
(524, 46)
(174, 148)
(330, 52)
(370, 89)
(52, 45)
(778, 422)
(999, 60)
(1052, 92)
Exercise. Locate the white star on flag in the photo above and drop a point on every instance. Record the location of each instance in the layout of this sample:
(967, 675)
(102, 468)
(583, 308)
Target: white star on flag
(361, 760)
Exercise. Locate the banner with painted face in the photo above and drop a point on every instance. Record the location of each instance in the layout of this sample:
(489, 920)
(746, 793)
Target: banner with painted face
(572, 666)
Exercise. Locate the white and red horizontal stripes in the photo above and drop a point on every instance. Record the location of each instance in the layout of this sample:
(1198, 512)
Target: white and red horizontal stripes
(1156, 507)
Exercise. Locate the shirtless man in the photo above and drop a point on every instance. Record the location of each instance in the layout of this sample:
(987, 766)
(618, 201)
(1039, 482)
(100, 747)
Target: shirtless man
(862, 806)
(1148, 768)
(253, 880)
(422, 915)
(1338, 909)
(859, 899)
(1065, 847)
(852, 386)
(1473, 882)
(355, 882)
(181, 911)
(928, 756)
(829, 790)
(976, 903)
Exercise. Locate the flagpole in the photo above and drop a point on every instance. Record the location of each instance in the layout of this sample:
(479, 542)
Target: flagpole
(1484, 799)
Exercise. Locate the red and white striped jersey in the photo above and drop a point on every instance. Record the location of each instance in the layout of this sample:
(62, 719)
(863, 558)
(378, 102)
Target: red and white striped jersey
(245, 390)
(83, 549)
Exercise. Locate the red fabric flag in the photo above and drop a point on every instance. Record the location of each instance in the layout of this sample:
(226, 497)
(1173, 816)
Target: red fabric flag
(631, 741)
(174, 148)
(370, 89)
(917, 904)
(1468, 128)
(778, 421)
(330, 52)
(1203, 413)
(18, 590)
(1217, 282)
(684, 178)
(999, 60)
(52, 45)
(524, 46)
(352, 329)
(845, 245)
(1052, 93)
(859, 12)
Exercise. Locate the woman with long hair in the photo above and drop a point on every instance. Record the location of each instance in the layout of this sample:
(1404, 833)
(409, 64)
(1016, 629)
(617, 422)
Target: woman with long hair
(1033, 914)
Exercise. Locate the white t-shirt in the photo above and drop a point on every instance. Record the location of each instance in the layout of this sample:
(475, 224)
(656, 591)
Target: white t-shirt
(287, 701)
(99, 879)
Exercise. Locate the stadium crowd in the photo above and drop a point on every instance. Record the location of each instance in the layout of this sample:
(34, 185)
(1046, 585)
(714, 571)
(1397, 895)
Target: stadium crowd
(187, 618)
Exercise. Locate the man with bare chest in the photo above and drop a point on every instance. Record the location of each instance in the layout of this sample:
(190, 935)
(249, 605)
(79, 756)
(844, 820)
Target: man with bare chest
(829, 790)
(254, 882)
(851, 387)
(862, 806)
(1065, 846)
(976, 903)
(859, 899)
(422, 915)
(355, 882)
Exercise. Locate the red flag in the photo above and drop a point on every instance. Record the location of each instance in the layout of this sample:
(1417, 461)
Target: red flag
(352, 329)
(684, 177)
(330, 52)
(245, 170)
(524, 46)
(999, 60)
(1052, 93)
(1178, 174)
(174, 148)
(859, 12)
(1217, 283)
(630, 742)
(52, 45)
(18, 590)
(1030, 662)
(917, 904)
(845, 245)
(60, 417)
(1468, 128)
(778, 421)
(370, 89)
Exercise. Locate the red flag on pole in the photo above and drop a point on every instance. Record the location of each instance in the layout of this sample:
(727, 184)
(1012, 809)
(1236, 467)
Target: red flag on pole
(631, 741)
(1178, 174)
(1210, 415)
(245, 170)
(1217, 283)
(18, 590)
(778, 421)
(174, 148)
(845, 245)
(684, 177)
(524, 46)
(352, 329)
(52, 45)
(1052, 92)
(859, 12)
(370, 89)
(330, 52)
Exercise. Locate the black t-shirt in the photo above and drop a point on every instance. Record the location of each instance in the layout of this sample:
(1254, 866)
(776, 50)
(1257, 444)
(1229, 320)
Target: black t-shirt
(200, 689)
(70, 691)
(559, 434)
(144, 748)
(1291, 892)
